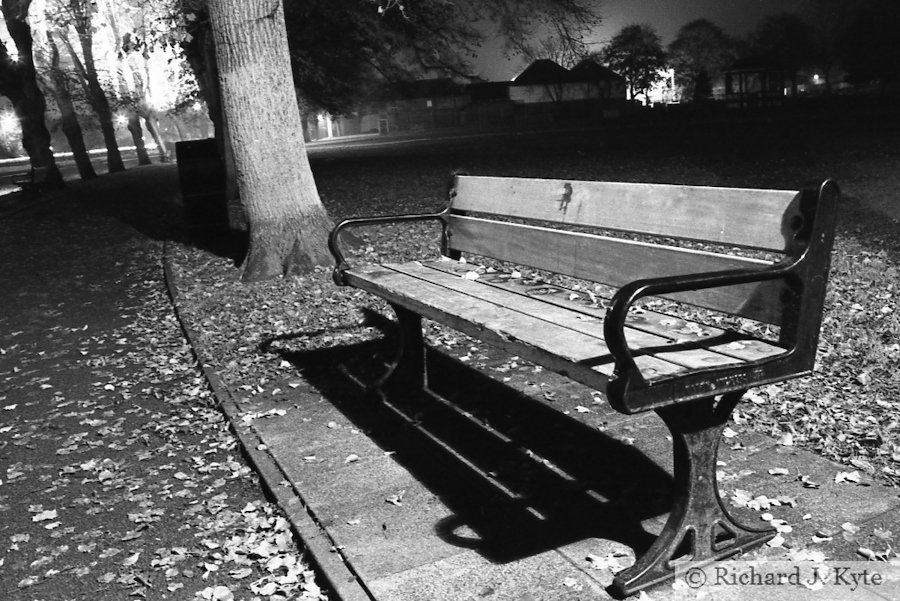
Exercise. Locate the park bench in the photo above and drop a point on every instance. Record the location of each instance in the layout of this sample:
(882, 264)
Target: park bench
(29, 181)
(751, 257)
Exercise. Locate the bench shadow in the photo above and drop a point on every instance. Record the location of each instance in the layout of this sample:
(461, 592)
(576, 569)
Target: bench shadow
(521, 478)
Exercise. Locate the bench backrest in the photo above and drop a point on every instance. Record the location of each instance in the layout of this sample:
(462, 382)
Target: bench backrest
(480, 222)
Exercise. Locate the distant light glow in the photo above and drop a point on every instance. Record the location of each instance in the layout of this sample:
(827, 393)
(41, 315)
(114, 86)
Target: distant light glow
(8, 123)
(121, 120)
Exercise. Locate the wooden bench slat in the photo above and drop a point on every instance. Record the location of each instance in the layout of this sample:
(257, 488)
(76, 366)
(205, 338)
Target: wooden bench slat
(692, 358)
(614, 261)
(741, 217)
(583, 357)
(667, 326)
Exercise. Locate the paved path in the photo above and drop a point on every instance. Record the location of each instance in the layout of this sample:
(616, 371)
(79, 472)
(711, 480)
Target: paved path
(119, 478)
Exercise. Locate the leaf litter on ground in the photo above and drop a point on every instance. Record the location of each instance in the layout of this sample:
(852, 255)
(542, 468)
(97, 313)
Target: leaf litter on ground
(148, 491)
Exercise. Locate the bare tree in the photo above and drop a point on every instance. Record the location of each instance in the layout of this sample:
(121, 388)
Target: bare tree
(59, 84)
(78, 14)
(18, 82)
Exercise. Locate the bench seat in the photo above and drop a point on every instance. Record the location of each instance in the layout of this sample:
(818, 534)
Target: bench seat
(558, 328)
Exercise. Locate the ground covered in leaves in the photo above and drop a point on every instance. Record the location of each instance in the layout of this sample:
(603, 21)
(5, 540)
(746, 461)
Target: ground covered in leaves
(120, 477)
(847, 411)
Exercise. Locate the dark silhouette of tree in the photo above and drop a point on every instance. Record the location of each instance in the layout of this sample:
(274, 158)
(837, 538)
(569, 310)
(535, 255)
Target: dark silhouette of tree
(18, 82)
(785, 40)
(868, 48)
(636, 53)
(698, 54)
(339, 48)
(828, 19)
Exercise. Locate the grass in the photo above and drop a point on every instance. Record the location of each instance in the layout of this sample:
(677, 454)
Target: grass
(847, 411)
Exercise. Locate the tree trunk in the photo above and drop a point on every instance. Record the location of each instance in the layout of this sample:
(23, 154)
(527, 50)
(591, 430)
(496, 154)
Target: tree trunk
(288, 224)
(237, 216)
(74, 135)
(18, 82)
(178, 125)
(68, 115)
(96, 96)
(137, 134)
(152, 124)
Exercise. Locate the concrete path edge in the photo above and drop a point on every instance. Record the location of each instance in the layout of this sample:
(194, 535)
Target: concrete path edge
(342, 582)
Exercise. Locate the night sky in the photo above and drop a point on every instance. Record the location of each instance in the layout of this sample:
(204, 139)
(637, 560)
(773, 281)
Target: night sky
(736, 17)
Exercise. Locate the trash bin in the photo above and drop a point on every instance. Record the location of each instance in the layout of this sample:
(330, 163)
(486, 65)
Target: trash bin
(201, 173)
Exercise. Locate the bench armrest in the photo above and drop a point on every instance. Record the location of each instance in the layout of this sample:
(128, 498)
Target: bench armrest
(628, 378)
(341, 264)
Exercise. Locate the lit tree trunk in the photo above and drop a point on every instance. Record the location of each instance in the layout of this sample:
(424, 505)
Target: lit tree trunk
(137, 134)
(18, 82)
(177, 124)
(68, 116)
(288, 224)
(152, 124)
(96, 96)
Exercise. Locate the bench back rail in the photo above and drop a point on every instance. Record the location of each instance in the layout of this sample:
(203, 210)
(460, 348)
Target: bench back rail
(770, 220)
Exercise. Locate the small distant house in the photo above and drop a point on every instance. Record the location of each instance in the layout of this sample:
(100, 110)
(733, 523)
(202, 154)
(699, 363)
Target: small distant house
(598, 82)
(546, 81)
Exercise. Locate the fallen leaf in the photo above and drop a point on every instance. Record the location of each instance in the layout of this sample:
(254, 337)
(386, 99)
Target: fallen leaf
(848, 477)
(786, 439)
(50, 514)
(396, 499)
(240, 573)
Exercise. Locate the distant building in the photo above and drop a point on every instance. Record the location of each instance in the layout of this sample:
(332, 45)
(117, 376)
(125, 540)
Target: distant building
(546, 81)
(545, 92)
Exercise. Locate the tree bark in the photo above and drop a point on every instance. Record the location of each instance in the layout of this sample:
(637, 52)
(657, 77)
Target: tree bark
(152, 124)
(96, 96)
(18, 82)
(137, 134)
(177, 124)
(68, 115)
(288, 223)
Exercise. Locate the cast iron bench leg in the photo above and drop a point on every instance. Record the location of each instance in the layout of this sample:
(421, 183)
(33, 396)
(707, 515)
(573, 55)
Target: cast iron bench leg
(408, 366)
(699, 523)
